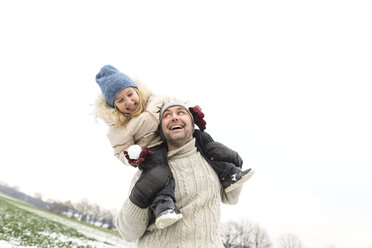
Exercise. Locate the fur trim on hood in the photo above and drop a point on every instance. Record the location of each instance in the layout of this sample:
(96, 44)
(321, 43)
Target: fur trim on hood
(108, 114)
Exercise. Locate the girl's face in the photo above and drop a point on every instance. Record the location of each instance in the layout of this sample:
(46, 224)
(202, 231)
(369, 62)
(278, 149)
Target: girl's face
(127, 101)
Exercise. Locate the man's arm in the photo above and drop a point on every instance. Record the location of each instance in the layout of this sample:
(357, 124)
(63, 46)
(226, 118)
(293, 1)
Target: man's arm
(132, 221)
(133, 218)
(232, 197)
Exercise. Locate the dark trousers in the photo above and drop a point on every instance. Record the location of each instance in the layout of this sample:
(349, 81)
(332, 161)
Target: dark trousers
(165, 198)
(223, 169)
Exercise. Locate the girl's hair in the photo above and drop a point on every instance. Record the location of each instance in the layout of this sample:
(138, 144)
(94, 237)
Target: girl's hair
(122, 119)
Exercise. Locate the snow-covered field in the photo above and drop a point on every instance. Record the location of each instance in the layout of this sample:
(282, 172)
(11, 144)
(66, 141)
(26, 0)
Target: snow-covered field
(23, 226)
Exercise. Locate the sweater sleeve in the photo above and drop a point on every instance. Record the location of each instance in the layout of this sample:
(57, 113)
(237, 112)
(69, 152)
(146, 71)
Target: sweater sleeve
(132, 221)
(120, 140)
(232, 197)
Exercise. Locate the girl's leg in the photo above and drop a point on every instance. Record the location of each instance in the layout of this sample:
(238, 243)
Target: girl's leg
(230, 176)
(164, 207)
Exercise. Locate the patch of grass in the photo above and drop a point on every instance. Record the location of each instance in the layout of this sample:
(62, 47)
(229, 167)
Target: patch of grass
(28, 229)
(22, 225)
(24, 204)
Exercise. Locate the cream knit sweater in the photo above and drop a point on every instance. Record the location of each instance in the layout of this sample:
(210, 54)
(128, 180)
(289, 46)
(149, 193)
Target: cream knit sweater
(198, 196)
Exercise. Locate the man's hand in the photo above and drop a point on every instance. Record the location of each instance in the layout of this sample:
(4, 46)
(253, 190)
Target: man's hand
(198, 116)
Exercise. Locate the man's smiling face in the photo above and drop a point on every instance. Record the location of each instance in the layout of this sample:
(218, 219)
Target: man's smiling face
(177, 127)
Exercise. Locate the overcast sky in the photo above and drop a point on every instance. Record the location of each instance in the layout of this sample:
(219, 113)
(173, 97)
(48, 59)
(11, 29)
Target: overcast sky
(285, 83)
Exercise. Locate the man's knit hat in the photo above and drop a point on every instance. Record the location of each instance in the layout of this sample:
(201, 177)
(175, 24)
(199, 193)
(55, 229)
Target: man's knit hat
(172, 104)
(112, 82)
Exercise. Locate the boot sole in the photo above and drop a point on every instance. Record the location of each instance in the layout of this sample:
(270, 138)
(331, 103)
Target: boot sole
(241, 181)
(167, 220)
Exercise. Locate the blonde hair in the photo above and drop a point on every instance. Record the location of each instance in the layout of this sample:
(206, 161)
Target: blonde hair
(122, 119)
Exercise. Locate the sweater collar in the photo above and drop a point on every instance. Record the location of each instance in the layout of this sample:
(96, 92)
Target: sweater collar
(183, 150)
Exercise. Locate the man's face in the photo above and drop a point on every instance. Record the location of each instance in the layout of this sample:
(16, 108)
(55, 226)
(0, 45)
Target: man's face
(177, 127)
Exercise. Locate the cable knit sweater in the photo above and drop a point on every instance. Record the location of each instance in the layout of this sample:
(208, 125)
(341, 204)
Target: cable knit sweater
(198, 196)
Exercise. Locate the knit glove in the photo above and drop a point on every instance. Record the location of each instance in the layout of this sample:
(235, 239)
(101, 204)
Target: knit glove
(135, 155)
(198, 116)
(149, 184)
(220, 152)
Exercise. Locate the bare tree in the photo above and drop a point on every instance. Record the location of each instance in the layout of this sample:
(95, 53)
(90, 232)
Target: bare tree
(245, 234)
(261, 238)
(38, 196)
(72, 211)
(230, 235)
(290, 241)
(95, 212)
(83, 207)
(108, 218)
(59, 207)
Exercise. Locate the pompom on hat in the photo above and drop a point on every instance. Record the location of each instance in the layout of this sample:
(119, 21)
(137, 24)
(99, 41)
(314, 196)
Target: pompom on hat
(112, 82)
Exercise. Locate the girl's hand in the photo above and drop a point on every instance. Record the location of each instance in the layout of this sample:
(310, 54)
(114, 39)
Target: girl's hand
(136, 162)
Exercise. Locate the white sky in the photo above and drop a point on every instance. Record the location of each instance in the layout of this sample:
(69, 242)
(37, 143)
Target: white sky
(285, 83)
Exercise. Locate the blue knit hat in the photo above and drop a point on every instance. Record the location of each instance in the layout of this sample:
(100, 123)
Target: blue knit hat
(112, 82)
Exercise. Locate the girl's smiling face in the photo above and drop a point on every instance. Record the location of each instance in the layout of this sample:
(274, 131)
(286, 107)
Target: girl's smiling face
(127, 101)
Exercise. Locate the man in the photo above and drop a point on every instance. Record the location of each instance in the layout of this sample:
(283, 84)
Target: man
(198, 191)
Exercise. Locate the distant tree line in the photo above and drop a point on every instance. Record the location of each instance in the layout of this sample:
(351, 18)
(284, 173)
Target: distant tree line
(17, 194)
(83, 210)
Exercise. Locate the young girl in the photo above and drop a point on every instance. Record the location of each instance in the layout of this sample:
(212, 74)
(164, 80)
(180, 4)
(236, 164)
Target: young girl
(132, 113)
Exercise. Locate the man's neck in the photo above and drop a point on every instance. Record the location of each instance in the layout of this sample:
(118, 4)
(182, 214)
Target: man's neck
(175, 145)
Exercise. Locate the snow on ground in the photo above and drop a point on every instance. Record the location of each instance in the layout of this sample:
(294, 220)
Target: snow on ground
(13, 244)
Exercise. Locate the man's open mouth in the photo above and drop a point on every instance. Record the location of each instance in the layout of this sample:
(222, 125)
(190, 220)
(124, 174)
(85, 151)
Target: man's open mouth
(175, 127)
